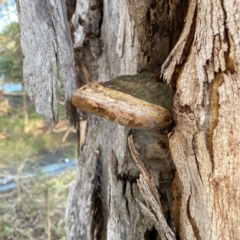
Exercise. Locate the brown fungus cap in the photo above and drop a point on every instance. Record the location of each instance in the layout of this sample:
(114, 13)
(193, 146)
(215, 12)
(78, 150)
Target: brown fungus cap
(121, 108)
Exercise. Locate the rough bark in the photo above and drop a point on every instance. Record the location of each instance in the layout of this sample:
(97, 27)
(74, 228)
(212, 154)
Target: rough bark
(114, 38)
(204, 69)
(148, 189)
(130, 36)
(47, 51)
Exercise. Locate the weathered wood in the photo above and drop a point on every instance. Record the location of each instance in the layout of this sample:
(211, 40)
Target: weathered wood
(119, 37)
(146, 184)
(130, 36)
(47, 51)
(205, 140)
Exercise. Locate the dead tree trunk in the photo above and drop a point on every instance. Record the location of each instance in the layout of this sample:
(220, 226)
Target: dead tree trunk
(197, 46)
(114, 38)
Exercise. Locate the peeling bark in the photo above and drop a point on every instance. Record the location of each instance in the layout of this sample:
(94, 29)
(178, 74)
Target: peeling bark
(148, 189)
(47, 51)
(120, 37)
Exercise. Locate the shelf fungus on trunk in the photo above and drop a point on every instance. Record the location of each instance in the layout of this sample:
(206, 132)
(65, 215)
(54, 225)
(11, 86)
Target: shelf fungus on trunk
(136, 101)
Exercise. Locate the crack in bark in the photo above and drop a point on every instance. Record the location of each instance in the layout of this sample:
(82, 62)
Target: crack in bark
(151, 234)
(192, 221)
(171, 67)
(97, 219)
(213, 121)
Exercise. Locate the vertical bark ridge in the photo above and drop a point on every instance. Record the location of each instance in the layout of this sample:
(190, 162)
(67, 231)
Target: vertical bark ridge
(206, 134)
(192, 221)
(172, 65)
(47, 51)
(146, 184)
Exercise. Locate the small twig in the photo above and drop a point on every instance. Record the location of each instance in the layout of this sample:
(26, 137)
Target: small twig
(25, 189)
(70, 129)
(15, 93)
(20, 184)
(153, 210)
(24, 233)
(48, 214)
(61, 102)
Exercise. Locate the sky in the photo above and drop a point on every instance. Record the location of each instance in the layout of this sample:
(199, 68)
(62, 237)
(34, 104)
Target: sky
(8, 13)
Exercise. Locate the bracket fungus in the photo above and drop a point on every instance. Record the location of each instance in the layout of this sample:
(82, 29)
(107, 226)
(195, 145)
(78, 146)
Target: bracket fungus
(136, 101)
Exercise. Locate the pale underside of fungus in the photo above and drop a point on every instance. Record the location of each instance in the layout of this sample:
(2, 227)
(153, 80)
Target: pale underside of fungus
(138, 101)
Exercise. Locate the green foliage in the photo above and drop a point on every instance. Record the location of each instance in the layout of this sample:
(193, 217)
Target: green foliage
(21, 141)
(14, 148)
(24, 213)
(18, 147)
(11, 58)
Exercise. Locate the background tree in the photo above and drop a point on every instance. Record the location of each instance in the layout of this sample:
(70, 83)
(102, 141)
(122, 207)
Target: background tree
(200, 62)
(11, 58)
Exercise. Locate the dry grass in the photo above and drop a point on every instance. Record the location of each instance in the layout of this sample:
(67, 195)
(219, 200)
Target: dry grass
(35, 210)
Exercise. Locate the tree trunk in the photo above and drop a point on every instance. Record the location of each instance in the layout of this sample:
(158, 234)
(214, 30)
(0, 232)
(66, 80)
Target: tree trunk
(195, 174)
(204, 142)
(115, 38)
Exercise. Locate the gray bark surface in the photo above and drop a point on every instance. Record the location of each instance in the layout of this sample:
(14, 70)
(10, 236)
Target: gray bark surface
(119, 37)
(128, 38)
(47, 51)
